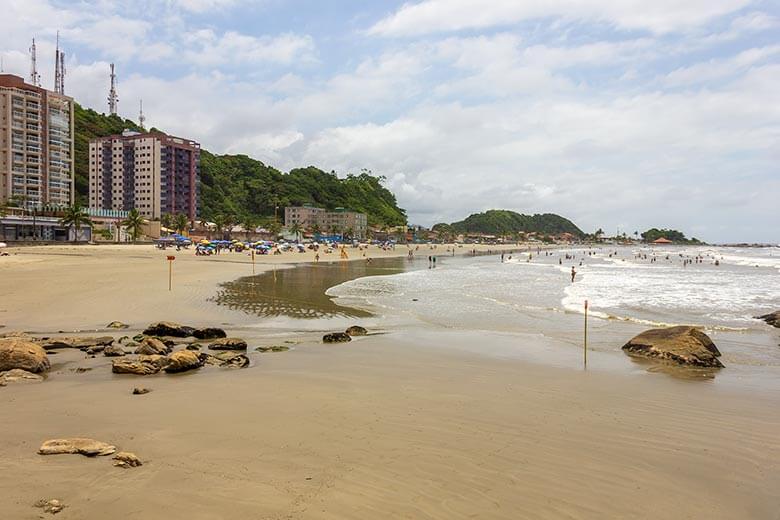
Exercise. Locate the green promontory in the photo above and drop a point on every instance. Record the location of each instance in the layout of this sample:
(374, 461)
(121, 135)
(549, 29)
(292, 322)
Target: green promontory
(678, 237)
(505, 222)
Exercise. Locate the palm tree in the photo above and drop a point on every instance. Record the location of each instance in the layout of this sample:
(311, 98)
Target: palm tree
(249, 225)
(274, 227)
(230, 221)
(334, 229)
(219, 226)
(74, 218)
(349, 232)
(180, 223)
(167, 221)
(134, 224)
(316, 229)
(296, 229)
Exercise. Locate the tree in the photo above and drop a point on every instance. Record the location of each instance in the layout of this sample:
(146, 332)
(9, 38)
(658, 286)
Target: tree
(349, 232)
(230, 221)
(316, 229)
(296, 229)
(219, 226)
(167, 221)
(74, 218)
(334, 229)
(274, 227)
(180, 223)
(249, 225)
(134, 224)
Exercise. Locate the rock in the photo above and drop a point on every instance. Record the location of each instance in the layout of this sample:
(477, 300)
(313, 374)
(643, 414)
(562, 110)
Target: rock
(356, 330)
(17, 334)
(336, 337)
(52, 506)
(141, 390)
(138, 338)
(125, 459)
(88, 447)
(81, 370)
(95, 350)
(151, 347)
(193, 346)
(81, 343)
(117, 325)
(226, 359)
(140, 367)
(238, 361)
(183, 360)
(209, 333)
(683, 345)
(273, 348)
(167, 328)
(113, 351)
(18, 375)
(772, 319)
(228, 344)
(23, 354)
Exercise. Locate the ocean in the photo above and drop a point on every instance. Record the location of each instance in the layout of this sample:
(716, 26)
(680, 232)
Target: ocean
(628, 289)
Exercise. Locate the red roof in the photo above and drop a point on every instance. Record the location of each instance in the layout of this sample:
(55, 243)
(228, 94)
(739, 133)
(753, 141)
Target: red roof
(662, 240)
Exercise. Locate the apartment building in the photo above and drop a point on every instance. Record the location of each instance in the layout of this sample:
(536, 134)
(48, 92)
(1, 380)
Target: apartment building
(328, 221)
(36, 144)
(152, 172)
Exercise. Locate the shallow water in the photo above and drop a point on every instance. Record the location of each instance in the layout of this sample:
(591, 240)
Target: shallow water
(626, 292)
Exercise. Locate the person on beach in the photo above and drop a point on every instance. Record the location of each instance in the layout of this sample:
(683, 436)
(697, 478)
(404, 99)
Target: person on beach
(573, 274)
(434, 262)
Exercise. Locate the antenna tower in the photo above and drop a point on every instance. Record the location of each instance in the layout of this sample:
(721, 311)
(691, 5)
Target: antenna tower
(113, 99)
(35, 78)
(141, 117)
(62, 72)
(57, 73)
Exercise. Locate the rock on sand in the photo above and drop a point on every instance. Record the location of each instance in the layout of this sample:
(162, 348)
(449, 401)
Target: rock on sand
(23, 354)
(82, 446)
(18, 375)
(125, 459)
(336, 337)
(356, 330)
(228, 344)
(168, 328)
(772, 319)
(182, 361)
(683, 345)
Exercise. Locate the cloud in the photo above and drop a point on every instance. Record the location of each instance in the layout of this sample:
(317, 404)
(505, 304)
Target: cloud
(207, 48)
(659, 16)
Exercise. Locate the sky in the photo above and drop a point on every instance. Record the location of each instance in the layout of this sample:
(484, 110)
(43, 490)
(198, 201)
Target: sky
(617, 114)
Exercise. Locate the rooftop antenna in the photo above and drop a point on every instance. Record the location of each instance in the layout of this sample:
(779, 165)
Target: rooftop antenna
(113, 99)
(35, 78)
(141, 118)
(62, 72)
(57, 72)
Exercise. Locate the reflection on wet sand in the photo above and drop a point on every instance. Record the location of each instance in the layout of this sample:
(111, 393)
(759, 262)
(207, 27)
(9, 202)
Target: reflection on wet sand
(300, 292)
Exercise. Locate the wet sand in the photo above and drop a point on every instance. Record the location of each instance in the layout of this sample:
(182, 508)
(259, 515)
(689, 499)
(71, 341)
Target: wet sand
(408, 424)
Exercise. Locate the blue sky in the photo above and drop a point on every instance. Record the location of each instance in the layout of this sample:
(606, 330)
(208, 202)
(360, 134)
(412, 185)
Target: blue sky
(621, 115)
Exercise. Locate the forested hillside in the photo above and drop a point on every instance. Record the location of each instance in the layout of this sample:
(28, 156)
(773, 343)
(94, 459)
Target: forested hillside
(504, 222)
(240, 187)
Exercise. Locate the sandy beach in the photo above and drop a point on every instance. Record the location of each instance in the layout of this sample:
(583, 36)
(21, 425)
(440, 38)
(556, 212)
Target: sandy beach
(392, 425)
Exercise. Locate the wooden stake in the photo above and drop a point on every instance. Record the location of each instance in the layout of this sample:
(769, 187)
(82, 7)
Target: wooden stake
(170, 271)
(253, 260)
(585, 342)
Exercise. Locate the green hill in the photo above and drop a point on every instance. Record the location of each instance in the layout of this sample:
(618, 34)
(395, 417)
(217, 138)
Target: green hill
(504, 222)
(239, 186)
(678, 237)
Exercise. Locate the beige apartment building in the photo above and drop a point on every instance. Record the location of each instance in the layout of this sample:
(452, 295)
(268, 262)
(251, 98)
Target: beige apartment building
(152, 172)
(36, 144)
(340, 219)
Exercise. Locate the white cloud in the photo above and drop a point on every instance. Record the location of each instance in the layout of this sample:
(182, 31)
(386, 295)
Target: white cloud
(207, 48)
(658, 16)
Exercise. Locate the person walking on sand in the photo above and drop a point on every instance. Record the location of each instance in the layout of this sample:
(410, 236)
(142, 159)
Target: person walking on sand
(573, 274)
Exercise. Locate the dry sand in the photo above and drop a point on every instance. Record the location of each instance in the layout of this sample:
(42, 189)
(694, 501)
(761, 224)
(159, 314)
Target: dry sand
(388, 426)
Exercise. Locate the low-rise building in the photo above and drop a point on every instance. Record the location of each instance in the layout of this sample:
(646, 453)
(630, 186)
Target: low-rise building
(338, 221)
